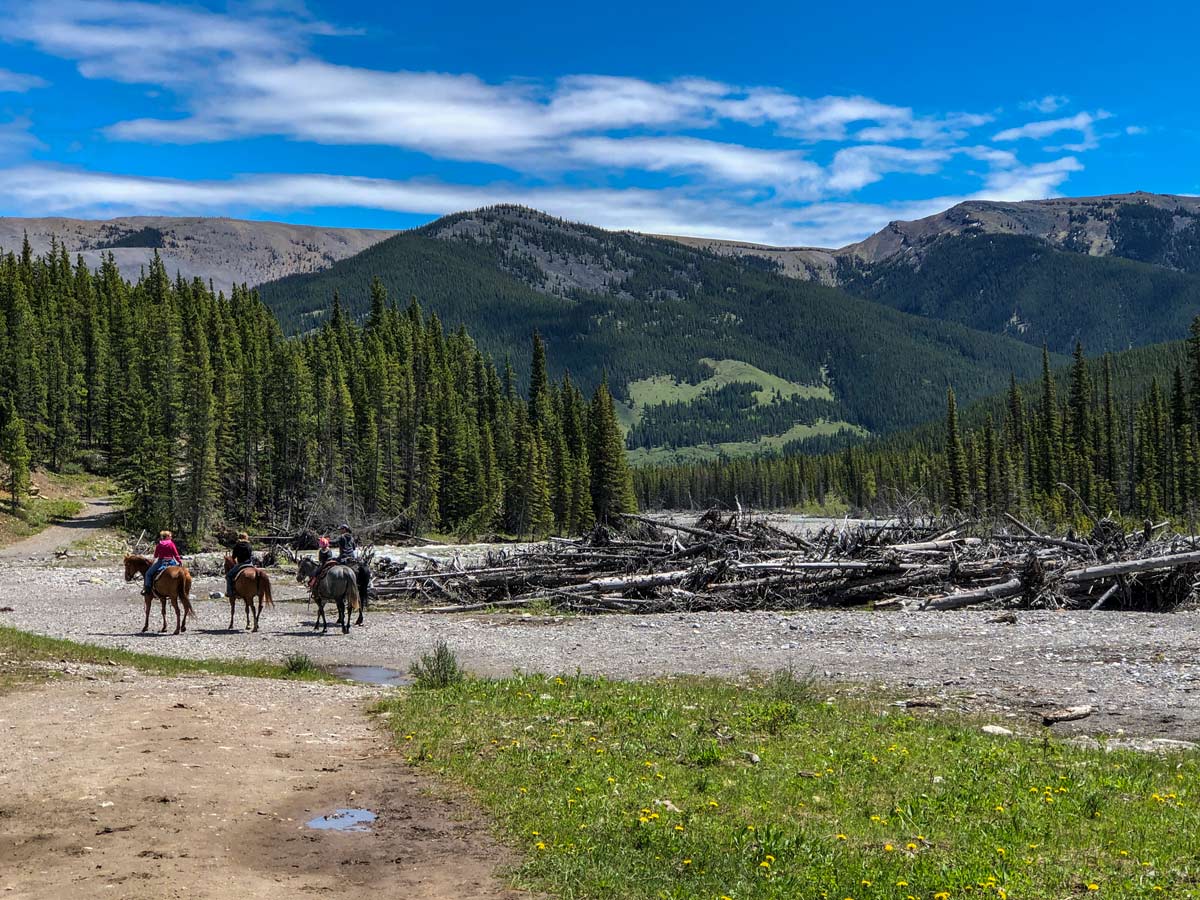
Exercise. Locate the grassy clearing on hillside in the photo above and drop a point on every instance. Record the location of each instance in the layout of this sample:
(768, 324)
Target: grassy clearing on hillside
(668, 389)
(20, 652)
(705, 452)
(699, 789)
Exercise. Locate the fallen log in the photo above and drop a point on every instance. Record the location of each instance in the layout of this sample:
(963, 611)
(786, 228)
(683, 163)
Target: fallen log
(1129, 567)
(687, 529)
(969, 598)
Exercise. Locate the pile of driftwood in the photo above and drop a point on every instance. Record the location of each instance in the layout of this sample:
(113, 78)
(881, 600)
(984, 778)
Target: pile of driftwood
(736, 562)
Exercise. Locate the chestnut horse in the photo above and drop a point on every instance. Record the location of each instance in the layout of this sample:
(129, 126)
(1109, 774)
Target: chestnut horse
(249, 584)
(174, 582)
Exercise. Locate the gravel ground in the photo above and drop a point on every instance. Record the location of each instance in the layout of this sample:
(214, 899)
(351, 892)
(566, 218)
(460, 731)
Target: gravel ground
(1140, 671)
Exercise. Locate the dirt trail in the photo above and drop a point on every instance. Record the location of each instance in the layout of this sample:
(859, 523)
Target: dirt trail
(137, 786)
(95, 516)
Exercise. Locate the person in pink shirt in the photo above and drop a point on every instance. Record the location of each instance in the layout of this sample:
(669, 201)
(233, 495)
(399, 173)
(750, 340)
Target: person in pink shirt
(165, 554)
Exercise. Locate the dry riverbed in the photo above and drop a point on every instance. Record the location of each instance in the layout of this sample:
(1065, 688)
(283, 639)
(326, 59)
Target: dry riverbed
(1140, 671)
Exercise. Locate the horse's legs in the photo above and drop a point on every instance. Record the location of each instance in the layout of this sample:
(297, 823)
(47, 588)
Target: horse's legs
(163, 602)
(321, 622)
(343, 615)
(257, 611)
(146, 624)
(175, 604)
(361, 602)
(249, 602)
(232, 607)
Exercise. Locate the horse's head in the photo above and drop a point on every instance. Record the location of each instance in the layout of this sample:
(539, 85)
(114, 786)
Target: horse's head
(307, 568)
(134, 566)
(229, 563)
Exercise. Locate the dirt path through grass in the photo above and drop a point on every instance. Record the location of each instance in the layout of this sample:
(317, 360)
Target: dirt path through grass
(95, 516)
(138, 786)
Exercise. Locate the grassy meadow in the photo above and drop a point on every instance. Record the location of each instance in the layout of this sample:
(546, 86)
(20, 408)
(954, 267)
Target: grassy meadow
(704, 789)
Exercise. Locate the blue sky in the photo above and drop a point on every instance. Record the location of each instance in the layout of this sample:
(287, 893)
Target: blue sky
(759, 121)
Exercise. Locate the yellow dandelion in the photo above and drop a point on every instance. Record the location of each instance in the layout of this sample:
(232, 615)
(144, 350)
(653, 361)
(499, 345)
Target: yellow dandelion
(888, 848)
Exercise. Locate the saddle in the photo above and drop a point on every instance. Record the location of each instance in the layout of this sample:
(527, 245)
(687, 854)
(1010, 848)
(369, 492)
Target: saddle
(320, 573)
(160, 573)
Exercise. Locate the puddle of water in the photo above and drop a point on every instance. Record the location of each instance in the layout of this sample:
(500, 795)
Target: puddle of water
(344, 820)
(373, 675)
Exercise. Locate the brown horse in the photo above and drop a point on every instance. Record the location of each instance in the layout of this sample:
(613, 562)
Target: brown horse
(249, 584)
(173, 582)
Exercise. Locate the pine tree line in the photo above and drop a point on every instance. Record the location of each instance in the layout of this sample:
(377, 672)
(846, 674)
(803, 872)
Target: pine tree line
(1054, 451)
(207, 415)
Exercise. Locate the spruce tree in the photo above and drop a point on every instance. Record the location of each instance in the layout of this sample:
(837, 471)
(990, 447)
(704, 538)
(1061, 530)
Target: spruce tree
(612, 484)
(957, 485)
(14, 452)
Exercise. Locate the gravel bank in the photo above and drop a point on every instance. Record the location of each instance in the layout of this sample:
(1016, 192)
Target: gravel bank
(1140, 670)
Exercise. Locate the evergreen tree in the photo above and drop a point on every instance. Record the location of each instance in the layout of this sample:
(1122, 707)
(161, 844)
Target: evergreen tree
(957, 485)
(14, 453)
(612, 484)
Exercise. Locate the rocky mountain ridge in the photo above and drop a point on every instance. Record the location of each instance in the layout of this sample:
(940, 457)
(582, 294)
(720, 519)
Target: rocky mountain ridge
(227, 251)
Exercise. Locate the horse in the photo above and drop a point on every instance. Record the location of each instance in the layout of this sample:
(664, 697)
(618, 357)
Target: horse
(176, 584)
(250, 583)
(338, 583)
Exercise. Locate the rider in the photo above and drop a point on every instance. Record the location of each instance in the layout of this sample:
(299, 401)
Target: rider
(243, 557)
(324, 558)
(347, 549)
(165, 554)
(348, 555)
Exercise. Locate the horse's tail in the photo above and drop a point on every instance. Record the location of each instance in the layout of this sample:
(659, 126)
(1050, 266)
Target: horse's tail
(264, 588)
(185, 592)
(352, 596)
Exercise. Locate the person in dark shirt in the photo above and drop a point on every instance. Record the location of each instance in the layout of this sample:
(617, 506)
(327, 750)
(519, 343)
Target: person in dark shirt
(243, 555)
(348, 555)
(347, 548)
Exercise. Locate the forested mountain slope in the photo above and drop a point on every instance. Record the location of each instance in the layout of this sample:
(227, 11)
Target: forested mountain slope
(1020, 286)
(1118, 434)
(636, 308)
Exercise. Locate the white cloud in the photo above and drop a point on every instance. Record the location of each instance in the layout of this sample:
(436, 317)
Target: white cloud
(16, 140)
(750, 162)
(1082, 122)
(727, 162)
(856, 167)
(254, 75)
(1032, 182)
(56, 190)
(1051, 103)
(18, 83)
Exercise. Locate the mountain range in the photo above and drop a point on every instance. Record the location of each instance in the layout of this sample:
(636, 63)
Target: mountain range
(718, 347)
(225, 251)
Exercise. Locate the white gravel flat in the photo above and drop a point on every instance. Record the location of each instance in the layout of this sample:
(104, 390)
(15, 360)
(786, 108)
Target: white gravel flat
(1140, 670)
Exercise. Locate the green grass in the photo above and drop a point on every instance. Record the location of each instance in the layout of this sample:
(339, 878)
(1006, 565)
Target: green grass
(667, 389)
(699, 789)
(19, 651)
(642, 456)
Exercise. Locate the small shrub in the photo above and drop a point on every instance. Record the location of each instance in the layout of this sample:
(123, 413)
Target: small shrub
(439, 669)
(788, 687)
(300, 664)
(705, 754)
(772, 716)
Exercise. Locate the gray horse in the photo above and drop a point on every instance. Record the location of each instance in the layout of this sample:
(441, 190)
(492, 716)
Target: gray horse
(338, 583)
